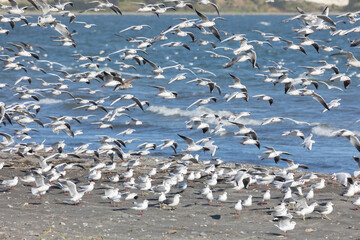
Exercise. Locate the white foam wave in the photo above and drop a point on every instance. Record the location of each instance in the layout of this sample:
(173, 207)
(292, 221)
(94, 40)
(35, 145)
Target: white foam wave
(324, 131)
(45, 101)
(327, 131)
(177, 112)
(265, 23)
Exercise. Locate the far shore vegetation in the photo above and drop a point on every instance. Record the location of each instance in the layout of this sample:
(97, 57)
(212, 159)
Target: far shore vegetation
(225, 6)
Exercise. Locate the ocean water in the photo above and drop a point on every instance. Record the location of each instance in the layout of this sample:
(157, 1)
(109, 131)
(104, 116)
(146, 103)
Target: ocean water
(165, 118)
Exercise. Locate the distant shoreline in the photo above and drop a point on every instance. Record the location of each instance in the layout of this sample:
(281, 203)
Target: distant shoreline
(182, 13)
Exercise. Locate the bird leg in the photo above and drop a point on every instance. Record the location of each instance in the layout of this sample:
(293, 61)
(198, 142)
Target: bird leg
(304, 218)
(327, 217)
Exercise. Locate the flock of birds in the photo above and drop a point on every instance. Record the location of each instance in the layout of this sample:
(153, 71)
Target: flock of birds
(18, 56)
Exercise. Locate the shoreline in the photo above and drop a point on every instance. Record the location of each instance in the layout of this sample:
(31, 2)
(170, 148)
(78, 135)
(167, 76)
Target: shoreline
(193, 218)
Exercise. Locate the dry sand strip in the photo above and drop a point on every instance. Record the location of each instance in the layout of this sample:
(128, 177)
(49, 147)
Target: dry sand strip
(25, 217)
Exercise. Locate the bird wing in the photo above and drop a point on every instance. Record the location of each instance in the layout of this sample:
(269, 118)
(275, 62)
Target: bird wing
(193, 103)
(318, 98)
(138, 102)
(349, 55)
(202, 16)
(188, 141)
(216, 8)
(72, 188)
(355, 141)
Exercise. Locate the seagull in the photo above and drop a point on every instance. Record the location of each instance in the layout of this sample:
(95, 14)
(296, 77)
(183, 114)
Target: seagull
(293, 166)
(175, 201)
(192, 147)
(243, 130)
(206, 2)
(222, 198)
(285, 224)
(264, 98)
(200, 102)
(237, 84)
(316, 97)
(135, 28)
(272, 153)
(342, 178)
(319, 185)
(308, 142)
(351, 60)
(141, 206)
(250, 141)
(249, 56)
(266, 197)
(197, 124)
(10, 183)
(209, 24)
(75, 195)
(292, 46)
(350, 136)
(88, 188)
(165, 94)
(247, 202)
(176, 44)
(304, 208)
(107, 4)
(238, 207)
(129, 97)
(295, 133)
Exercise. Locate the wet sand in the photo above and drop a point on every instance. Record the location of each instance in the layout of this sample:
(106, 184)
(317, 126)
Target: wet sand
(51, 217)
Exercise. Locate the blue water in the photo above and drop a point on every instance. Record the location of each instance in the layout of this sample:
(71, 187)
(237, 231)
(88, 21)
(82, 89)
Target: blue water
(165, 118)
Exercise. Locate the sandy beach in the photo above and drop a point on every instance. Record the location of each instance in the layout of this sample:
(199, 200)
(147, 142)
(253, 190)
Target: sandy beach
(51, 217)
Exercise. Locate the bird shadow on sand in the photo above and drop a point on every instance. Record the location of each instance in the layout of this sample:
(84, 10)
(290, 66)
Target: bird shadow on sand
(216, 216)
(276, 235)
(120, 209)
(188, 205)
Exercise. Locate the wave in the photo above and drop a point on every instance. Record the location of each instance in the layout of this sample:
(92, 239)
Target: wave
(45, 101)
(197, 112)
(324, 130)
(265, 23)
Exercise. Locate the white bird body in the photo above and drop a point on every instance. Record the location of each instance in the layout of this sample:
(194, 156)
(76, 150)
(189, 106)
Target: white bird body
(141, 206)
(75, 195)
(222, 197)
(266, 197)
(238, 207)
(247, 202)
(10, 182)
(308, 142)
(285, 225)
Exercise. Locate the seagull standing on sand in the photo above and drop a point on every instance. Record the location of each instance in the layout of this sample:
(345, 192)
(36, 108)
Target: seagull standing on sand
(175, 201)
(304, 208)
(238, 207)
(319, 185)
(247, 202)
(10, 183)
(141, 206)
(222, 198)
(325, 210)
(266, 197)
(285, 225)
